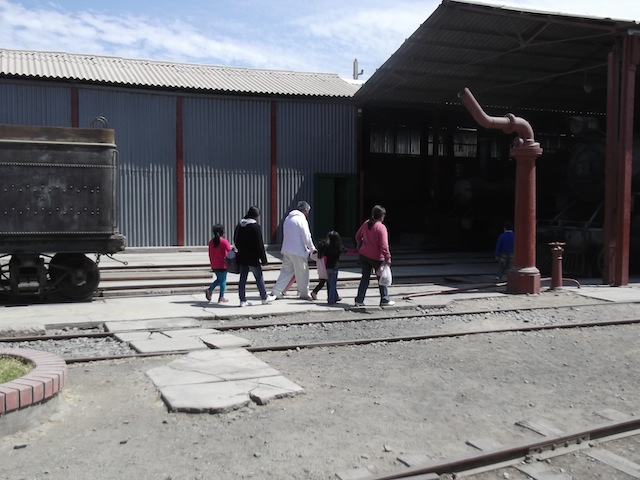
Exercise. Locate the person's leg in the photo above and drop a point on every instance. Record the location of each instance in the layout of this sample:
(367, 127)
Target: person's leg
(364, 280)
(222, 276)
(257, 273)
(314, 293)
(301, 272)
(242, 283)
(332, 285)
(285, 276)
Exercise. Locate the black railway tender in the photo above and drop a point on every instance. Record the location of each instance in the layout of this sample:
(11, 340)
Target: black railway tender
(57, 203)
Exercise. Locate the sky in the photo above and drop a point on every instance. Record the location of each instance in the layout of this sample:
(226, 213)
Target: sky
(302, 35)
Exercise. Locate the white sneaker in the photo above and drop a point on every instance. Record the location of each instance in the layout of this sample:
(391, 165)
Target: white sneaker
(269, 299)
(277, 294)
(245, 304)
(390, 303)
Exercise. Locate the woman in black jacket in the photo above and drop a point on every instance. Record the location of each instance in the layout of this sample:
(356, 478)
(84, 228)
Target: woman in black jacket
(251, 254)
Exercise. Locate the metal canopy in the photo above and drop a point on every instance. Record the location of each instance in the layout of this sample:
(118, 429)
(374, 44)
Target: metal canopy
(512, 59)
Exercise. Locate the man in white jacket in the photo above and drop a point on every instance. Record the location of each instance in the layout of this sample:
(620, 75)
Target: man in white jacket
(297, 245)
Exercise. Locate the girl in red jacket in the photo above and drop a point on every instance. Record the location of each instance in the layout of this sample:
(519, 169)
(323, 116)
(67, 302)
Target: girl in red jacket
(218, 249)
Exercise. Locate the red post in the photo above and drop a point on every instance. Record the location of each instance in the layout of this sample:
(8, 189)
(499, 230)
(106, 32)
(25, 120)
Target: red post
(524, 276)
(556, 264)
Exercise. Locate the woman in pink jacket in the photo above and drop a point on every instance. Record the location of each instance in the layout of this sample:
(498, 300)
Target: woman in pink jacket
(372, 240)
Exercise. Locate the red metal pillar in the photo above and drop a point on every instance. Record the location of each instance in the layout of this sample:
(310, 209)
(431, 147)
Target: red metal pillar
(618, 167)
(524, 276)
(273, 175)
(179, 174)
(611, 168)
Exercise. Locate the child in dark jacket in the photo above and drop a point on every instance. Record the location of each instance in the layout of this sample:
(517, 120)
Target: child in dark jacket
(251, 255)
(218, 249)
(329, 251)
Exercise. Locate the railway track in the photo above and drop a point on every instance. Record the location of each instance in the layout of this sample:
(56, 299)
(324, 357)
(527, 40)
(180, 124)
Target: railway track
(603, 451)
(332, 330)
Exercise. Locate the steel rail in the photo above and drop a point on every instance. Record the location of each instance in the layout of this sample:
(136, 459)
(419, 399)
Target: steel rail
(254, 326)
(367, 341)
(514, 452)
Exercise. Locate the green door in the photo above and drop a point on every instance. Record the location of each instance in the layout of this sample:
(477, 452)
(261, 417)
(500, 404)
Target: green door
(334, 205)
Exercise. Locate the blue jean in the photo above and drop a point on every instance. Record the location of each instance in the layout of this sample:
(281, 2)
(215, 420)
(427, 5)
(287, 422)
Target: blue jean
(242, 282)
(221, 280)
(332, 285)
(367, 265)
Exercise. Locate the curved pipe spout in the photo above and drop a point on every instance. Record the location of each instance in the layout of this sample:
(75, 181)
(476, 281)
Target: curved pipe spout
(508, 124)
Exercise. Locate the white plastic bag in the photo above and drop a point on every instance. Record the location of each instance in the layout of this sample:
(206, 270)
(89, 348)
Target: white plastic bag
(384, 272)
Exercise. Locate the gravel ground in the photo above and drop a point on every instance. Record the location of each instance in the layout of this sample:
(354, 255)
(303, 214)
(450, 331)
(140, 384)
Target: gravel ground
(364, 406)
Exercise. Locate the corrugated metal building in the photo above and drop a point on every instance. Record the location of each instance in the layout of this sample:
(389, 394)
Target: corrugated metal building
(199, 144)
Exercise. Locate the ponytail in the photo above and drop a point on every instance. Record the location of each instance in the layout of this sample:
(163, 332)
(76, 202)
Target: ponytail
(218, 231)
(377, 212)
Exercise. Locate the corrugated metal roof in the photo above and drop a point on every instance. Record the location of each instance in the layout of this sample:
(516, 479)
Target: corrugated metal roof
(507, 58)
(154, 74)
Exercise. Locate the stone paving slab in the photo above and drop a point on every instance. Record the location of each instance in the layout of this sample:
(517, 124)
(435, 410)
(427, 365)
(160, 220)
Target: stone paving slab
(142, 335)
(218, 381)
(611, 294)
(211, 366)
(220, 397)
(167, 344)
(225, 340)
(152, 324)
(190, 332)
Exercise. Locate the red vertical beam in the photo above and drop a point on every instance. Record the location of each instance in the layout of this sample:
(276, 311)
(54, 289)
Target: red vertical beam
(611, 168)
(630, 52)
(179, 173)
(359, 172)
(75, 114)
(273, 184)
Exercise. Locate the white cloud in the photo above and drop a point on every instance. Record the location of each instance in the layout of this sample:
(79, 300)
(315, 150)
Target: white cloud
(287, 34)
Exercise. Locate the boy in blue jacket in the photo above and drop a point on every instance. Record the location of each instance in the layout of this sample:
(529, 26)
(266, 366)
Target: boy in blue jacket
(504, 250)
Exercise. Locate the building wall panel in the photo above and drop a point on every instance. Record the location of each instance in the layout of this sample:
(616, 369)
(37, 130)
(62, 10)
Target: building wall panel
(28, 104)
(312, 138)
(145, 133)
(226, 164)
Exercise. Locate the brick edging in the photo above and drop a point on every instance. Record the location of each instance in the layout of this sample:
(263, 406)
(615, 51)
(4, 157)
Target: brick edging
(43, 382)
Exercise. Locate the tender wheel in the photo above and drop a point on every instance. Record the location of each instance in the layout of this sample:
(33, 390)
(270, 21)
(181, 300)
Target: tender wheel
(75, 276)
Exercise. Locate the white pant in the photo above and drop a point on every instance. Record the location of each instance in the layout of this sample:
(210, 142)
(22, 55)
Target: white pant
(293, 266)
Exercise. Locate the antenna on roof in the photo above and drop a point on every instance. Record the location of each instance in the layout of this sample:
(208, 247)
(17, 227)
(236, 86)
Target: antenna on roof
(356, 74)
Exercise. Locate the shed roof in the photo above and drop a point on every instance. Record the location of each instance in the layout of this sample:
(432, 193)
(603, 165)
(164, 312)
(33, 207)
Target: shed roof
(154, 74)
(509, 58)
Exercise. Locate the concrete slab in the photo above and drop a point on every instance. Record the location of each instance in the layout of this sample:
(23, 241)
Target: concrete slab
(167, 344)
(142, 335)
(220, 397)
(414, 459)
(611, 294)
(484, 444)
(152, 324)
(211, 366)
(189, 332)
(614, 415)
(225, 340)
(272, 388)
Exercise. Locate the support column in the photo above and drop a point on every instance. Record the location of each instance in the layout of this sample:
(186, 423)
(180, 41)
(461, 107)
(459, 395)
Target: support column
(524, 276)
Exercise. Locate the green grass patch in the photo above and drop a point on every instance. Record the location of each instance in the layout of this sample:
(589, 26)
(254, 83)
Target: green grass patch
(13, 367)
